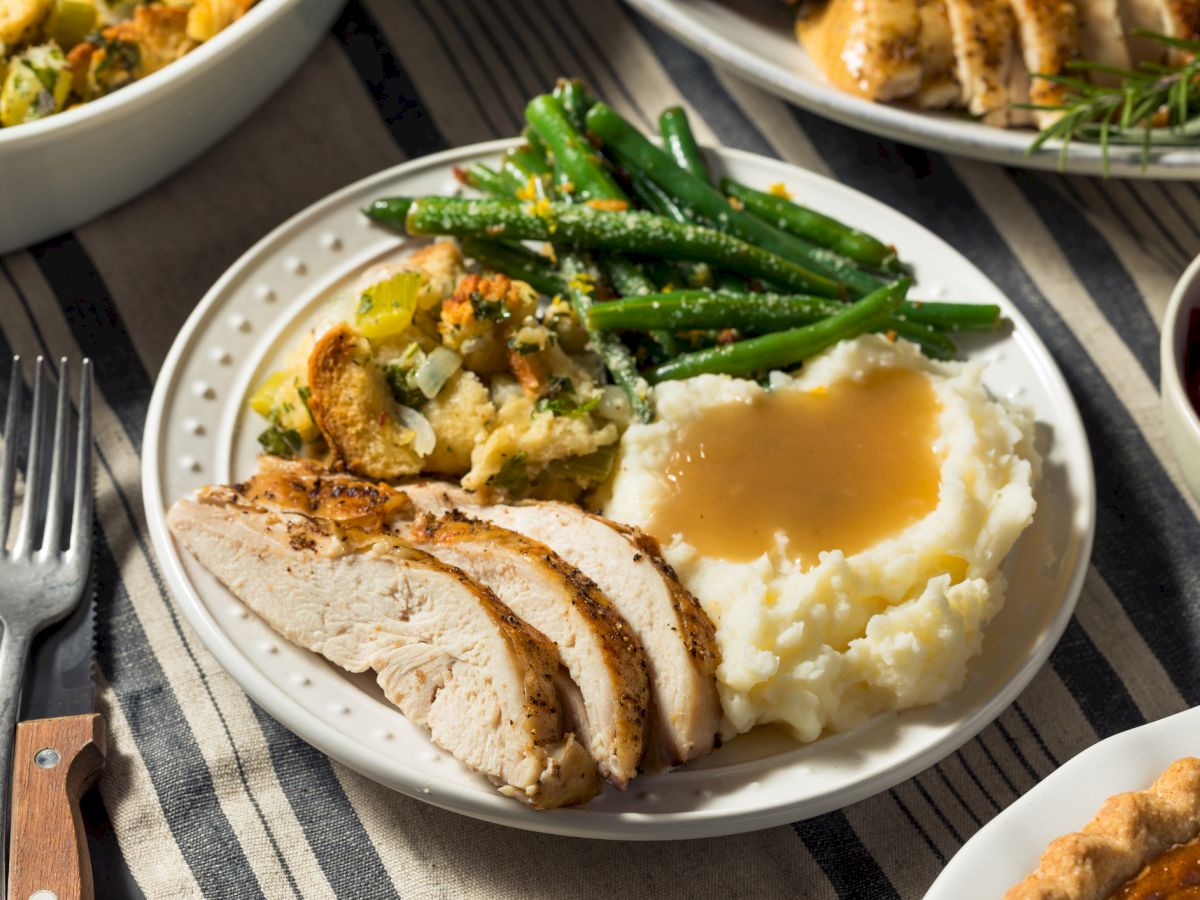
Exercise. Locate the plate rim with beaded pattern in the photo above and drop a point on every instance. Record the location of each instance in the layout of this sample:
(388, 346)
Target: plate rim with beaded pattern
(198, 431)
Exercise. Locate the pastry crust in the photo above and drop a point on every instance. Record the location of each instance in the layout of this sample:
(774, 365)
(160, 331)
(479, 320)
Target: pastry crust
(1130, 831)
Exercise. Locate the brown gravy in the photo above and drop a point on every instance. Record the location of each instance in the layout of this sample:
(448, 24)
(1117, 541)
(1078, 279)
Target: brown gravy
(825, 34)
(837, 468)
(867, 49)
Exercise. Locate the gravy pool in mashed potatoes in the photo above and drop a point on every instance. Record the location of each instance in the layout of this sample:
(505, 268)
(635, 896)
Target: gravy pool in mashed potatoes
(844, 527)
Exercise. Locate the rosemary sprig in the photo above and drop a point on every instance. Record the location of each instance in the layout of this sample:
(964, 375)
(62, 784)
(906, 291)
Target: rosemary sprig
(1154, 104)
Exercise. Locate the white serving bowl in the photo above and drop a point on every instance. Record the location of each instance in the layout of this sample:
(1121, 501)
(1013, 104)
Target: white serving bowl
(59, 172)
(1183, 423)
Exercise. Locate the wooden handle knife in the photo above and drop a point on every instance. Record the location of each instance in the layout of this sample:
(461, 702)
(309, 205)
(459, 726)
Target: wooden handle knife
(55, 761)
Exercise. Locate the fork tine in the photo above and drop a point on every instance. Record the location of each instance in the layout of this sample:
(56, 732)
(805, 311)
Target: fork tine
(33, 468)
(8, 469)
(52, 535)
(81, 517)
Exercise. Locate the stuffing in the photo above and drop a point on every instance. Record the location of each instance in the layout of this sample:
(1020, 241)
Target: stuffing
(476, 319)
(160, 33)
(440, 263)
(36, 85)
(533, 439)
(20, 18)
(208, 18)
(155, 36)
(354, 409)
(454, 375)
(461, 416)
(108, 44)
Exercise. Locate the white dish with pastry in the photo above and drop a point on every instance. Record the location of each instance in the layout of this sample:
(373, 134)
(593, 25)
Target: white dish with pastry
(1120, 820)
(470, 567)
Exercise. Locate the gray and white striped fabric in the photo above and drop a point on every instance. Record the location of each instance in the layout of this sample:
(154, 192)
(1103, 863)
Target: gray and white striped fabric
(208, 796)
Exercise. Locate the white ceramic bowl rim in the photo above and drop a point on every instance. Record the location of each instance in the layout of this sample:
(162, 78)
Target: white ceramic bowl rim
(263, 14)
(1174, 346)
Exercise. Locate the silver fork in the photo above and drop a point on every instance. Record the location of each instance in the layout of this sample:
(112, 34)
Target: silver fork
(41, 581)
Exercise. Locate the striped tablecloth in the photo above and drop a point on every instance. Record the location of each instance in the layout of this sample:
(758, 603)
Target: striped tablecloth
(208, 796)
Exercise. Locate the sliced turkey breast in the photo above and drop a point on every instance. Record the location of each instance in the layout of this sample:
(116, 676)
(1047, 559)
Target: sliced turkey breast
(982, 32)
(446, 651)
(1162, 16)
(866, 47)
(595, 643)
(1019, 85)
(1049, 39)
(940, 87)
(301, 486)
(677, 636)
(1102, 39)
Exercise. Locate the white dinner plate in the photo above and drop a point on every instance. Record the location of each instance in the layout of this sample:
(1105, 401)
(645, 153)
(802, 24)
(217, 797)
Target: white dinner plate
(199, 431)
(754, 39)
(1006, 849)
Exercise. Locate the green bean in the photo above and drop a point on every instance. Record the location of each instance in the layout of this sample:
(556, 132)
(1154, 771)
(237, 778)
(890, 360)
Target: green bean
(628, 280)
(526, 167)
(681, 143)
(535, 142)
(575, 100)
(932, 342)
(655, 199)
(660, 202)
(577, 167)
(615, 355)
(787, 348)
(521, 266)
(582, 226)
(688, 310)
(636, 153)
(486, 180)
(749, 314)
(811, 225)
(759, 313)
(953, 316)
(576, 164)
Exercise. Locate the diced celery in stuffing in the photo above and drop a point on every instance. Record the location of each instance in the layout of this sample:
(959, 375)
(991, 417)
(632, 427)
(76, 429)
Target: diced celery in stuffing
(262, 400)
(591, 469)
(71, 21)
(36, 85)
(283, 400)
(386, 308)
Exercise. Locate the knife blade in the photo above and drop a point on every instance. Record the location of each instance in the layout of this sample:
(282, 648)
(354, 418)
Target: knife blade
(57, 755)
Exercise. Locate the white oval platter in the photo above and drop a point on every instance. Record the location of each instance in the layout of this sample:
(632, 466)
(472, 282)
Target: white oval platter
(198, 431)
(754, 39)
(1002, 852)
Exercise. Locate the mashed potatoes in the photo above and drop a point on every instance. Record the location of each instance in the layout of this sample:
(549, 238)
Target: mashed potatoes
(833, 639)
